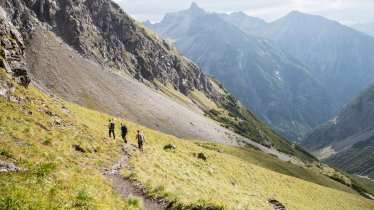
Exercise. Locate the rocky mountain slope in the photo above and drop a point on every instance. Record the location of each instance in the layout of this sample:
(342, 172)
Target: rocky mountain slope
(101, 31)
(367, 28)
(348, 137)
(270, 82)
(354, 123)
(338, 56)
(84, 65)
(56, 154)
(12, 54)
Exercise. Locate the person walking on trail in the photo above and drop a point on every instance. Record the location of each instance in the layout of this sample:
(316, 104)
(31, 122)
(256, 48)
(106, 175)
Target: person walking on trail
(140, 138)
(111, 129)
(124, 132)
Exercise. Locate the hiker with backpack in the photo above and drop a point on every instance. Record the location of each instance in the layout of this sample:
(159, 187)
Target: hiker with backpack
(124, 132)
(111, 127)
(140, 138)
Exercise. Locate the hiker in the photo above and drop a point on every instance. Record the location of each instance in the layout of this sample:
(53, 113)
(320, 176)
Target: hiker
(124, 132)
(111, 129)
(140, 138)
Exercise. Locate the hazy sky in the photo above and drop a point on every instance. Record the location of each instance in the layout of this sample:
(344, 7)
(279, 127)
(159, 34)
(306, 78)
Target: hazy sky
(345, 11)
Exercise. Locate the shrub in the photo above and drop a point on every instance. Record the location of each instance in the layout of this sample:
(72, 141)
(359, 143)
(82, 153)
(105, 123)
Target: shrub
(8, 202)
(45, 169)
(47, 142)
(83, 200)
(134, 202)
(5, 153)
(214, 112)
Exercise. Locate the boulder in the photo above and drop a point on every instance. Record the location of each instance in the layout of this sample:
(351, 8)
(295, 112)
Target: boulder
(10, 167)
(6, 66)
(79, 148)
(5, 54)
(170, 146)
(202, 156)
(6, 43)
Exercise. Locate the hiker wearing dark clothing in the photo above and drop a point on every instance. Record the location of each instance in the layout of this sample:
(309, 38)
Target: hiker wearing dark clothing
(124, 132)
(111, 127)
(140, 138)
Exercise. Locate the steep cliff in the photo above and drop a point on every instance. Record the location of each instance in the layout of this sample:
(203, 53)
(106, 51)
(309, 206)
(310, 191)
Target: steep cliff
(12, 54)
(100, 30)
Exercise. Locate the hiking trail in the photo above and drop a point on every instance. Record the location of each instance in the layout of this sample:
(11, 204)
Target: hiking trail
(127, 188)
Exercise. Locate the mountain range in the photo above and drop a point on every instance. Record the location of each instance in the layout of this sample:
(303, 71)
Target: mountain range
(293, 73)
(69, 67)
(338, 56)
(268, 80)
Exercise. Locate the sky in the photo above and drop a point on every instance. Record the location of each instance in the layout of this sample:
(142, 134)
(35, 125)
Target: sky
(348, 12)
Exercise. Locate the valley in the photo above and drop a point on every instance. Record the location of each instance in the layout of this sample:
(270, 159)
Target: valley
(229, 140)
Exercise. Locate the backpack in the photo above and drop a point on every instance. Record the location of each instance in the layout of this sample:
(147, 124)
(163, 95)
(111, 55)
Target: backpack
(124, 129)
(140, 137)
(111, 126)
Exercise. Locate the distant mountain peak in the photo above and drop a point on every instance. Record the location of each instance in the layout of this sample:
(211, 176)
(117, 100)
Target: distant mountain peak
(195, 8)
(239, 14)
(296, 14)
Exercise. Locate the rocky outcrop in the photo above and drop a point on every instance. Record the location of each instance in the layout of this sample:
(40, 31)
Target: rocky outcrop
(12, 54)
(10, 167)
(101, 30)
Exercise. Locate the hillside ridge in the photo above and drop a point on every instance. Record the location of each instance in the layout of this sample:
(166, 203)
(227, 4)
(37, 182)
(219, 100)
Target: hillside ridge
(100, 84)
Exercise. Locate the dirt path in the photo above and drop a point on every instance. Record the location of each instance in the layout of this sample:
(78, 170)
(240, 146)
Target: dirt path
(126, 187)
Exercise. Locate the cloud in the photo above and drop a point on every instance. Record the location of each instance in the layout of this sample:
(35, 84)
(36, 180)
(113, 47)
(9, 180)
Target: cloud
(345, 11)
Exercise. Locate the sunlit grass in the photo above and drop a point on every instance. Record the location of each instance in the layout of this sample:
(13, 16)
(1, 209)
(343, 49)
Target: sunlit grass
(36, 134)
(58, 176)
(232, 181)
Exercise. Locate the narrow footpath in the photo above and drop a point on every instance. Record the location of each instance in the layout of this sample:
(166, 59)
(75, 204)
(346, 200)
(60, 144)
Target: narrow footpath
(127, 188)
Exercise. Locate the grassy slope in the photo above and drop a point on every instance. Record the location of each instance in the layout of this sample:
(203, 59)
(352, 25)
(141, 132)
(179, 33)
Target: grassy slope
(58, 176)
(61, 177)
(179, 175)
(358, 159)
(253, 156)
(230, 114)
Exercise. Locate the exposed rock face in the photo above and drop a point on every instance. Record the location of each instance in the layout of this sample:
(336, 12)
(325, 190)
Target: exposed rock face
(100, 30)
(12, 54)
(355, 123)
